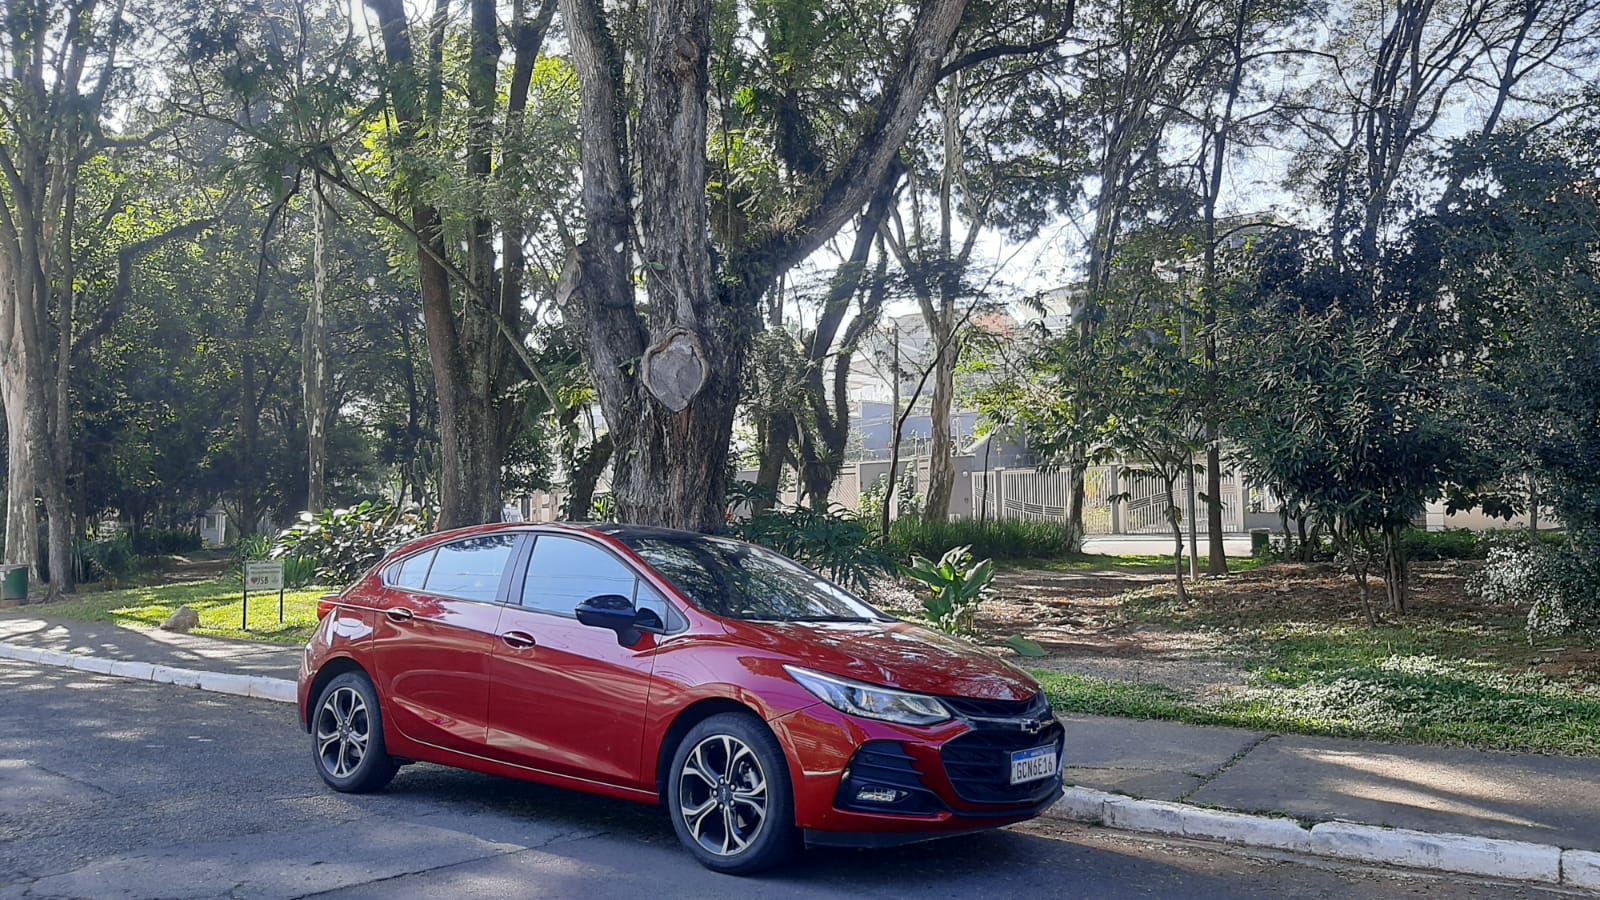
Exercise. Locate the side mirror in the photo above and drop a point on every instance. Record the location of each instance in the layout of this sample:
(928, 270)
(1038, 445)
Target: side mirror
(612, 611)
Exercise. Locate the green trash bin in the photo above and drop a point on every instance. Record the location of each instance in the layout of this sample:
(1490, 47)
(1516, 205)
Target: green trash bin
(13, 582)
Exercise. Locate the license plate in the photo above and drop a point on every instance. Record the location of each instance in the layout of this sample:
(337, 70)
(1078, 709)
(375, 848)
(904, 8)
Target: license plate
(1032, 765)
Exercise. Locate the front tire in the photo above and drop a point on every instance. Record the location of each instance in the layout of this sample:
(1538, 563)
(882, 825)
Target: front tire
(347, 736)
(729, 795)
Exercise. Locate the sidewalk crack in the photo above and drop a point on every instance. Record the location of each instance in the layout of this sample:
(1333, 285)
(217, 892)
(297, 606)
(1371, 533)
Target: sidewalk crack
(1207, 779)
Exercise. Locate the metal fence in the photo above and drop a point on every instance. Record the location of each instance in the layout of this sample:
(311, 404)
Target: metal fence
(1117, 500)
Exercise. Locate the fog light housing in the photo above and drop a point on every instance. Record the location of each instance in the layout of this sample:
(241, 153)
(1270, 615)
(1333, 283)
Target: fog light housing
(872, 793)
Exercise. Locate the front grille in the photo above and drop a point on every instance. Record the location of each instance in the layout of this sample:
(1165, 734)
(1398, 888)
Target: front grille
(978, 763)
(1035, 707)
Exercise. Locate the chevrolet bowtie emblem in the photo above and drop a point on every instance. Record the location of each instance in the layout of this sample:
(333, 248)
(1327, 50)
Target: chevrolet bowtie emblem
(1032, 726)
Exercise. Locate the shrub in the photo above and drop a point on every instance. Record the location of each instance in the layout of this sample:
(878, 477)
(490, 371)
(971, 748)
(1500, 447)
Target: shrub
(345, 543)
(1559, 587)
(112, 558)
(252, 547)
(1452, 543)
(834, 541)
(165, 541)
(1003, 539)
(299, 572)
(956, 586)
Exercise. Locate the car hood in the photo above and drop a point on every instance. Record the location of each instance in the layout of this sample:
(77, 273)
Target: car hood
(894, 654)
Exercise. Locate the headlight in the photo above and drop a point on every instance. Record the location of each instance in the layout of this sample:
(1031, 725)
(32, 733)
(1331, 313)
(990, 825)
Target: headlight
(870, 701)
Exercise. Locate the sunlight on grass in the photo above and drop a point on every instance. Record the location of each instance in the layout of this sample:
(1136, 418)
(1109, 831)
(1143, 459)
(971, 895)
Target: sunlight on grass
(1404, 698)
(219, 602)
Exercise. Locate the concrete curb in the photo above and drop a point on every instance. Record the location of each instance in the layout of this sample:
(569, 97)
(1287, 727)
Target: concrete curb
(1458, 853)
(280, 690)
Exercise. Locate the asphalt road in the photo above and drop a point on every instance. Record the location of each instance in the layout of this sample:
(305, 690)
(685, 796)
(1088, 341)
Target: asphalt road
(116, 788)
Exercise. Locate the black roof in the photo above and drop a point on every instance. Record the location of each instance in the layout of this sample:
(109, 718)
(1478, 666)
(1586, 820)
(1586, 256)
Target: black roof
(646, 532)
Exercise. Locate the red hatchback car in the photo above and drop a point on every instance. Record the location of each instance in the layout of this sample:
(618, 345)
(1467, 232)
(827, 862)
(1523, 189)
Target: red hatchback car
(759, 702)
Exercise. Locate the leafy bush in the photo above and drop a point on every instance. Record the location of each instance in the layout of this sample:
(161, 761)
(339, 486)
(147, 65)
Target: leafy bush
(1559, 587)
(165, 541)
(835, 542)
(907, 502)
(956, 586)
(112, 558)
(252, 547)
(1452, 543)
(299, 572)
(345, 543)
(1004, 539)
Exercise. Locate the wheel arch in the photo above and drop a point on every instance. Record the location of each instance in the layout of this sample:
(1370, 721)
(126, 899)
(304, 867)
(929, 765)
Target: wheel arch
(330, 670)
(688, 718)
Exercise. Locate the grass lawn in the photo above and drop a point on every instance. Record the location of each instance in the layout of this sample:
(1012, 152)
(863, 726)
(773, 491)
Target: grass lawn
(219, 601)
(1451, 671)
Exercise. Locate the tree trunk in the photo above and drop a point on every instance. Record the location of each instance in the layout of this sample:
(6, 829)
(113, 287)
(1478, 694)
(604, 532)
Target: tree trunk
(1175, 519)
(314, 346)
(21, 517)
(673, 440)
(1396, 570)
(941, 461)
(776, 431)
(1216, 548)
(586, 470)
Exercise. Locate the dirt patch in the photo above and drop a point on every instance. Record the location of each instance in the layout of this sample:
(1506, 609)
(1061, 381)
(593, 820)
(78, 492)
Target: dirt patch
(1128, 626)
(1079, 620)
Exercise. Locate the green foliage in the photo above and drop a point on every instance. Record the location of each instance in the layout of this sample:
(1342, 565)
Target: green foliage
(956, 586)
(907, 502)
(113, 558)
(165, 541)
(344, 543)
(833, 541)
(1452, 543)
(1004, 539)
(1558, 586)
(252, 547)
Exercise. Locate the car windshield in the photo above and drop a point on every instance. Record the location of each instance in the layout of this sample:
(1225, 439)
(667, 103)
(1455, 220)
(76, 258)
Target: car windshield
(744, 581)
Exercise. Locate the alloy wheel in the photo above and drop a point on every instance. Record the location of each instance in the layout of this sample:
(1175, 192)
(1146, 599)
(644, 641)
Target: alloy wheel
(722, 795)
(343, 731)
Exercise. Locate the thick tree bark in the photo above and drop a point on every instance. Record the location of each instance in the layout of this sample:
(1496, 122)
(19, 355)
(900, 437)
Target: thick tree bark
(21, 522)
(314, 346)
(473, 360)
(672, 463)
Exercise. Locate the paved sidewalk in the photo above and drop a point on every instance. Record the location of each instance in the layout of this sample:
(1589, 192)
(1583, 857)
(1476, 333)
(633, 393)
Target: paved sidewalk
(1508, 796)
(150, 645)
(1545, 804)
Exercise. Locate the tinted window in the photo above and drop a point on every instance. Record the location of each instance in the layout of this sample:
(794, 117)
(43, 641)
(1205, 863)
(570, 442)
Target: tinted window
(732, 578)
(410, 573)
(565, 572)
(471, 568)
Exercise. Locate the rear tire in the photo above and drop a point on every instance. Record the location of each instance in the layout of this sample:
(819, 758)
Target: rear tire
(729, 795)
(347, 736)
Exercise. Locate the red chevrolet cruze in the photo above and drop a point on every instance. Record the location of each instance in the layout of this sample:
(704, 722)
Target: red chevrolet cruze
(760, 703)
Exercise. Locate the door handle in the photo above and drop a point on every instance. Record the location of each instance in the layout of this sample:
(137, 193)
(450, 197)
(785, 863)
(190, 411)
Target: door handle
(519, 640)
(400, 614)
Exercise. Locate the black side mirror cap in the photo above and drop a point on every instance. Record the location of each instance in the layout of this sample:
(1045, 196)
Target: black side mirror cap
(612, 611)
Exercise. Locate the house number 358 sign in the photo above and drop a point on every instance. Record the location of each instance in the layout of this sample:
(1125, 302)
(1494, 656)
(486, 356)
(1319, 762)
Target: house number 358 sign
(264, 576)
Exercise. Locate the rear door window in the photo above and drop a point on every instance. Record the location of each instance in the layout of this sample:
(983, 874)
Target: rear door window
(410, 573)
(471, 568)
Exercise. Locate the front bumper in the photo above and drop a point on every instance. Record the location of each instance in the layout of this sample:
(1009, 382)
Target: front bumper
(867, 783)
